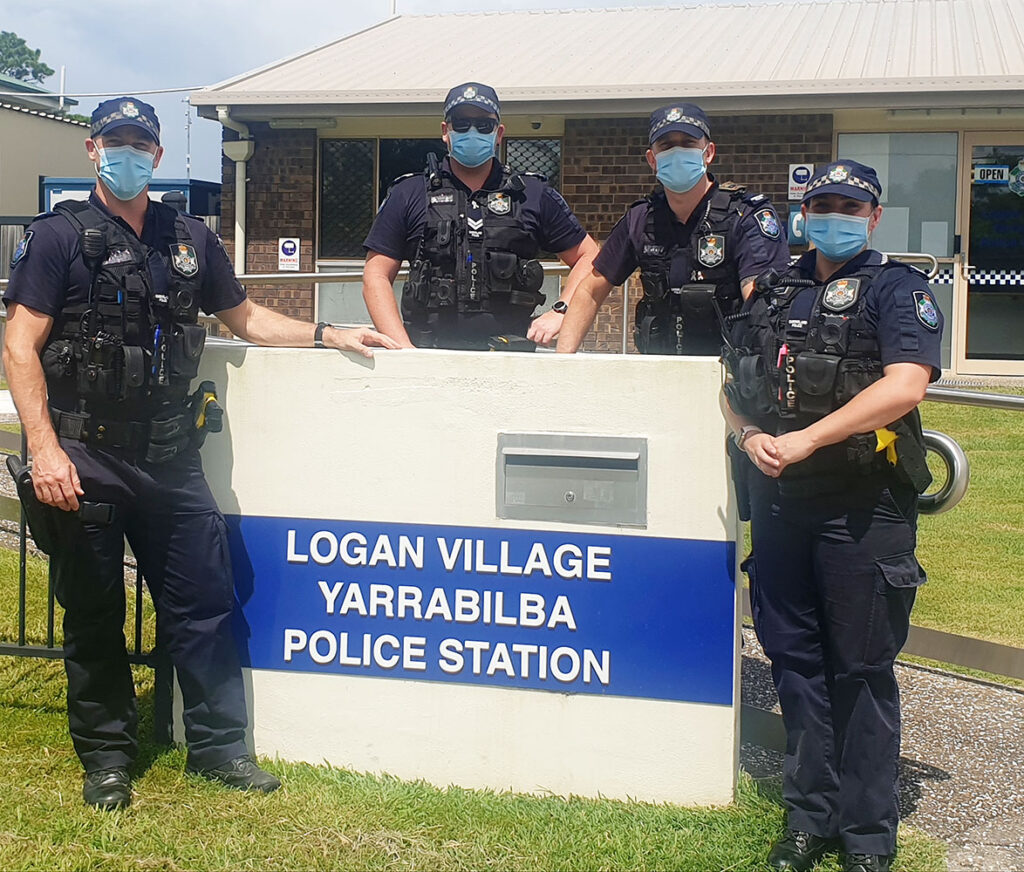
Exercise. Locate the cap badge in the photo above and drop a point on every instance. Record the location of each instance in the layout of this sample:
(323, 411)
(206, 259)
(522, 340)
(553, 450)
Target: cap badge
(184, 260)
(838, 174)
(841, 294)
(927, 314)
(711, 251)
(768, 221)
(469, 93)
(673, 115)
(129, 110)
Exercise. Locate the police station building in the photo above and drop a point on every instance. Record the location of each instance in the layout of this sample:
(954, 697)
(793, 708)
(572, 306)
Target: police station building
(929, 92)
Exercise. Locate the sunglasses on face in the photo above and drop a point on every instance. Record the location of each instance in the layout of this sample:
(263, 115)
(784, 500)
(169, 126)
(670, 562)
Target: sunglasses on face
(462, 125)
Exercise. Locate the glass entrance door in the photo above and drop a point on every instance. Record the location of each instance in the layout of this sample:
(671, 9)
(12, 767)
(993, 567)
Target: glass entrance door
(992, 274)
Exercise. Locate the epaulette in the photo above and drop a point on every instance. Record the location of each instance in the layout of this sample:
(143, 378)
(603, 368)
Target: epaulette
(540, 176)
(890, 262)
(731, 187)
(402, 178)
(754, 199)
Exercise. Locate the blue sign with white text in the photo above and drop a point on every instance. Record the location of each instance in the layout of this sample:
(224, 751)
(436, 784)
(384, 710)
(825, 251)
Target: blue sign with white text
(568, 612)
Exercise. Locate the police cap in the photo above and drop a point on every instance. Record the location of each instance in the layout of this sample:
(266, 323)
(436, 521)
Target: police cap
(685, 117)
(846, 177)
(125, 112)
(472, 94)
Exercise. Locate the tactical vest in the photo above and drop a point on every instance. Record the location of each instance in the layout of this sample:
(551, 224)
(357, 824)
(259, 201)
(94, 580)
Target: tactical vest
(684, 317)
(801, 350)
(466, 265)
(129, 353)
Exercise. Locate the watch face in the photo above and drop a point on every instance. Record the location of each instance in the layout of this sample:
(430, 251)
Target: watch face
(560, 307)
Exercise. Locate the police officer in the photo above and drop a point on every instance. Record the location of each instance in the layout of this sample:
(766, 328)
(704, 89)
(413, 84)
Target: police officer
(829, 364)
(698, 244)
(102, 343)
(471, 230)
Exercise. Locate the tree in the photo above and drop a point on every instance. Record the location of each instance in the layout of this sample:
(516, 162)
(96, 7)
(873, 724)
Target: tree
(20, 61)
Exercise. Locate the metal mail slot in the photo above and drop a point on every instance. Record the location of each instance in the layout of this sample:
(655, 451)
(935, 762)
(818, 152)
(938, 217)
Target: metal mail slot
(570, 477)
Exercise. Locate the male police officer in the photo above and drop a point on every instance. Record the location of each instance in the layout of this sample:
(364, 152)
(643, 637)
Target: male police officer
(471, 230)
(829, 366)
(102, 344)
(698, 244)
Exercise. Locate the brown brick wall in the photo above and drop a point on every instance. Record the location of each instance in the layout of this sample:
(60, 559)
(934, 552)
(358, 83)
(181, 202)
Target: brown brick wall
(604, 170)
(280, 201)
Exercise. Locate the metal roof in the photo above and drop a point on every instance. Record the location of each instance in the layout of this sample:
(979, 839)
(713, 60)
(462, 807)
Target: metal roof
(810, 53)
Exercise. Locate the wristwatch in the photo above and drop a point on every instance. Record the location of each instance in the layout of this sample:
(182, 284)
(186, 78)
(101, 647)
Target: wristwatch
(745, 433)
(561, 307)
(318, 336)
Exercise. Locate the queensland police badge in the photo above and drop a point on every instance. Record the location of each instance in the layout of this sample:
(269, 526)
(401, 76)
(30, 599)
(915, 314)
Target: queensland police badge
(184, 260)
(768, 221)
(840, 294)
(927, 314)
(711, 251)
(22, 248)
(499, 203)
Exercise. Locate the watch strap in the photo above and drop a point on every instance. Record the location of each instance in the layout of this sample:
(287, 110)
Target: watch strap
(318, 334)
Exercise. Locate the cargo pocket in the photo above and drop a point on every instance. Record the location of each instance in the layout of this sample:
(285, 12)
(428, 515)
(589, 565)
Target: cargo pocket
(897, 579)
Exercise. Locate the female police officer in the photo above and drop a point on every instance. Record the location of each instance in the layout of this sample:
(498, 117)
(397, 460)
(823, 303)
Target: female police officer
(829, 365)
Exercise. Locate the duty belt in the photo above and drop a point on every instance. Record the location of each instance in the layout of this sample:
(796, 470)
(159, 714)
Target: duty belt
(160, 440)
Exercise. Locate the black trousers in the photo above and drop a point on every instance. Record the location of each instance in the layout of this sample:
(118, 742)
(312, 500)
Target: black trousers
(180, 542)
(833, 578)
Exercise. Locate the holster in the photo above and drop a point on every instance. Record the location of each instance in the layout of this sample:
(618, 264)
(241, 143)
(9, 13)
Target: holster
(48, 524)
(912, 464)
(741, 469)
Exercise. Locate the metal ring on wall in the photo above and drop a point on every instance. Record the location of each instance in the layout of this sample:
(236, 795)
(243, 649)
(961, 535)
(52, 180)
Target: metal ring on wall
(958, 474)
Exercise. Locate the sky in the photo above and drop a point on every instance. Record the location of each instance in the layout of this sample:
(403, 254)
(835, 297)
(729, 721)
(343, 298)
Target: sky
(119, 47)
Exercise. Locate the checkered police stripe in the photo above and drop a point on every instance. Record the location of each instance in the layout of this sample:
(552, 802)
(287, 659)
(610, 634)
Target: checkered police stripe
(849, 180)
(942, 277)
(1001, 277)
(682, 119)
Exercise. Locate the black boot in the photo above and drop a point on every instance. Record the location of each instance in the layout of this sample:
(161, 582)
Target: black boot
(866, 862)
(108, 789)
(241, 774)
(798, 851)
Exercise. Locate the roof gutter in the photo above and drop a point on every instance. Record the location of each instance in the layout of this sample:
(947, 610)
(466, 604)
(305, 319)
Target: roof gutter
(239, 150)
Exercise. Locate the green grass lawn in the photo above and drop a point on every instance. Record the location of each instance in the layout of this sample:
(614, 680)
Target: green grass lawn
(974, 554)
(328, 818)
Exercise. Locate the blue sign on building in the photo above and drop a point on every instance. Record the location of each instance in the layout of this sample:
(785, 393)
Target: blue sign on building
(573, 612)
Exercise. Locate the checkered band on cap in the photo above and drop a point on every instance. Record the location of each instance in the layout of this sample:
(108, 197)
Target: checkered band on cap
(850, 179)
(682, 119)
(476, 100)
(135, 112)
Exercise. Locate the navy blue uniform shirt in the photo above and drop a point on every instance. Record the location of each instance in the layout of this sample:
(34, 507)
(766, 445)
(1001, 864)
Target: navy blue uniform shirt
(747, 245)
(50, 272)
(899, 306)
(398, 227)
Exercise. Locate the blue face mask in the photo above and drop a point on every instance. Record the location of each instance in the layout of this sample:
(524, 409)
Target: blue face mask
(125, 170)
(472, 148)
(838, 237)
(679, 169)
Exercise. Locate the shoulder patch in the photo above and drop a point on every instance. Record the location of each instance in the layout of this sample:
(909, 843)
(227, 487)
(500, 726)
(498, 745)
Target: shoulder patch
(21, 251)
(768, 223)
(924, 308)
